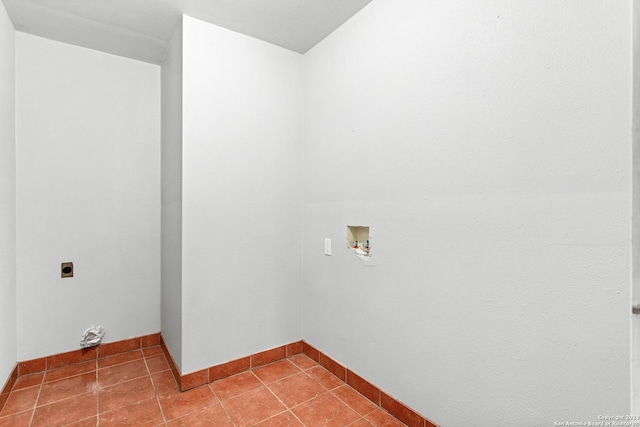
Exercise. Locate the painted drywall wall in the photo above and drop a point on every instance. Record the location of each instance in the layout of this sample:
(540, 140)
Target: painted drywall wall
(8, 332)
(491, 144)
(635, 291)
(88, 174)
(241, 195)
(171, 194)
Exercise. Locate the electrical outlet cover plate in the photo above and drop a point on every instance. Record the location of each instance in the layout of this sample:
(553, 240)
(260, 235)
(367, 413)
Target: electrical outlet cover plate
(327, 247)
(66, 269)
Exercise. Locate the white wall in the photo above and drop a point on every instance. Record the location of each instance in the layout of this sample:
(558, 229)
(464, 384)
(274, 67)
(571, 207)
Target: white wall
(635, 325)
(8, 337)
(171, 189)
(88, 173)
(242, 195)
(492, 142)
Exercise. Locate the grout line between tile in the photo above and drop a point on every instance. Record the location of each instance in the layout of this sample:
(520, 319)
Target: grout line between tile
(247, 391)
(344, 383)
(225, 410)
(271, 391)
(252, 369)
(244, 392)
(77, 421)
(290, 409)
(362, 418)
(155, 390)
(296, 417)
(97, 395)
(283, 412)
(35, 404)
(164, 418)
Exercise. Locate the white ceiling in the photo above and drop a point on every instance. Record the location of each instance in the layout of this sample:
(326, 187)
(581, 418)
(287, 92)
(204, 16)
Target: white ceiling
(142, 29)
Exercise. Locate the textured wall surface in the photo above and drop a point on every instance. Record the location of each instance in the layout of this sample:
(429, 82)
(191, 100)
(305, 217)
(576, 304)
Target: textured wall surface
(487, 146)
(8, 333)
(242, 196)
(88, 174)
(171, 190)
(635, 325)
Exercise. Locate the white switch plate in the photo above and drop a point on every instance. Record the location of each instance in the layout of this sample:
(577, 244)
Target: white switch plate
(327, 247)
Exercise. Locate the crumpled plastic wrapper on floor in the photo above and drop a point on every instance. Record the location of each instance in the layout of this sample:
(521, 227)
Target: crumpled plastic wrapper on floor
(92, 337)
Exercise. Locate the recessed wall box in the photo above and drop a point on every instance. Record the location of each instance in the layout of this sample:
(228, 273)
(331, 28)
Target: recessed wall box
(66, 269)
(358, 238)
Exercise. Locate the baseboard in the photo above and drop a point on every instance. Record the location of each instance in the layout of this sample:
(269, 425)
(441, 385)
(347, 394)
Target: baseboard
(224, 370)
(86, 354)
(247, 363)
(76, 356)
(4, 394)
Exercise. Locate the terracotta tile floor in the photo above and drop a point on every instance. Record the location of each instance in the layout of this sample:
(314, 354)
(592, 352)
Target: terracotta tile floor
(137, 389)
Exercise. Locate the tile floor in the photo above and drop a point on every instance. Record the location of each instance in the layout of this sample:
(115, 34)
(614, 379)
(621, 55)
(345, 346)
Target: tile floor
(137, 389)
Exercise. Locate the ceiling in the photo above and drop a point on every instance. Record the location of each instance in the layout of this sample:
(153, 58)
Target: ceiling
(142, 29)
